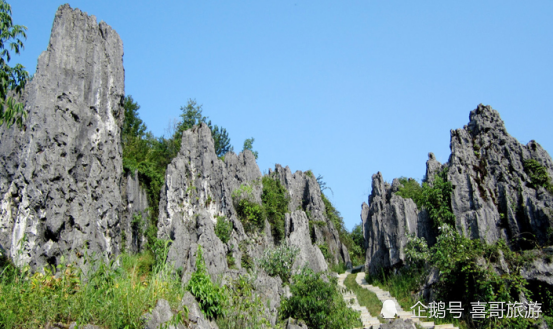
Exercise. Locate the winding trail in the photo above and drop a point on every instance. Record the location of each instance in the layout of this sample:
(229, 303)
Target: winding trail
(368, 321)
(372, 322)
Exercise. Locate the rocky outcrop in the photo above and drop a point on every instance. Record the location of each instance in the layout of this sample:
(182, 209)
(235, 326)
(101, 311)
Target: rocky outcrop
(296, 231)
(199, 188)
(305, 194)
(493, 198)
(386, 221)
(60, 174)
(493, 195)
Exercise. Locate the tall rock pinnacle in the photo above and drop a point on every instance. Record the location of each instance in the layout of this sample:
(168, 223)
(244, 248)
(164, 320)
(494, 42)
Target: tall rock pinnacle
(60, 174)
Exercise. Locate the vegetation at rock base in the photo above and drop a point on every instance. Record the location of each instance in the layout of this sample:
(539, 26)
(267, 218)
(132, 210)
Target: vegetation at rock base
(12, 79)
(211, 297)
(246, 308)
(468, 269)
(318, 302)
(115, 294)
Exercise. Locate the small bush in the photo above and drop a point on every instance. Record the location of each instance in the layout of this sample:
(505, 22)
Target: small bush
(223, 229)
(411, 189)
(339, 268)
(250, 213)
(317, 302)
(245, 308)
(325, 251)
(279, 261)
(212, 298)
(275, 202)
(417, 251)
(538, 174)
(245, 259)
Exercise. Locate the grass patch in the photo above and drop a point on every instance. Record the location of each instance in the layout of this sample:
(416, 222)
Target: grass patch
(365, 297)
(111, 296)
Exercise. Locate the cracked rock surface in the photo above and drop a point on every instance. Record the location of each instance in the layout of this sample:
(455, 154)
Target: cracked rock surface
(493, 197)
(60, 174)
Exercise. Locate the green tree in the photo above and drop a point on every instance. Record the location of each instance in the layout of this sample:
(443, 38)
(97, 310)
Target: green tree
(191, 116)
(11, 78)
(248, 146)
(358, 235)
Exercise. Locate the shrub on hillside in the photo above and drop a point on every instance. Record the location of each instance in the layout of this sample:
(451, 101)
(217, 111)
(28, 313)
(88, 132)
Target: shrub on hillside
(275, 202)
(211, 298)
(318, 302)
(279, 261)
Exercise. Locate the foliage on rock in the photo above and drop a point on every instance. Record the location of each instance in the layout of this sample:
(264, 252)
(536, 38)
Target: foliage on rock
(246, 308)
(211, 298)
(434, 197)
(279, 260)
(275, 202)
(538, 174)
(223, 229)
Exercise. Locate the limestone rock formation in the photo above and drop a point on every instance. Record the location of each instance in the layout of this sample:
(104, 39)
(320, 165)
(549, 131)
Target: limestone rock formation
(199, 189)
(305, 194)
(494, 195)
(60, 174)
(386, 221)
(296, 231)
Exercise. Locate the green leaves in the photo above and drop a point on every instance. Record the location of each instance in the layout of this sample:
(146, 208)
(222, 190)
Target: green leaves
(318, 303)
(212, 298)
(191, 116)
(434, 197)
(538, 174)
(248, 146)
(276, 203)
(279, 261)
(223, 229)
(250, 213)
(11, 78)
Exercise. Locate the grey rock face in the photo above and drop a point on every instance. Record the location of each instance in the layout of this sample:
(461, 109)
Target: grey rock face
(493, 197)
(161, 317)
(385, 223)
(296, 231)
(60, 174)
(196, 317)
(305, 194)
(199, 188)
(134, 219)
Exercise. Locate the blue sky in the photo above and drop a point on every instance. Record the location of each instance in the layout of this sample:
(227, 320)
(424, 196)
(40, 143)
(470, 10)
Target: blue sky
(344, 88)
